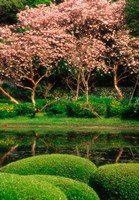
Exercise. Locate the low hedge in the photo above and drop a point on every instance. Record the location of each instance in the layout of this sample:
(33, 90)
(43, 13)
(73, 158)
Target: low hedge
(14, 187)
(117, 181)
(72, 189)
(54, 164)
(8, 110)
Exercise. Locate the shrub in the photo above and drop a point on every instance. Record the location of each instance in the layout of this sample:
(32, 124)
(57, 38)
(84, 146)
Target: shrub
(117, 181)
(131, 111)
(24, 109)
(98, 104)
(55, 164)
(7, 110)
(57, 108)
(72, 189)
(14, 187)
(76, 109)
(40, 103)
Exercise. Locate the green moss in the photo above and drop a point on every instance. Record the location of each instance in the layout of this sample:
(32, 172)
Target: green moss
(117, 181)
(14, 187)
(55, 164)
(73, 189)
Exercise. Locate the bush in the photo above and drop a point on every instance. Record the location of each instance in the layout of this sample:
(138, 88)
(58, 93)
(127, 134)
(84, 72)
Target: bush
(117, 182)
(57, 108)
(55, 164)
(14, 187)
(7, 110)
(24, 109)
(114, 108)
(131, 111)
(72, 189)
(40, 103)
(83, 110)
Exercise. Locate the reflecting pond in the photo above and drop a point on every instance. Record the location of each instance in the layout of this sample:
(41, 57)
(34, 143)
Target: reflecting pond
(100, 146)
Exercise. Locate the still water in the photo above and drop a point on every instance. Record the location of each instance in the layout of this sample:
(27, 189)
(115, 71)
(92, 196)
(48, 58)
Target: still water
(100, 146)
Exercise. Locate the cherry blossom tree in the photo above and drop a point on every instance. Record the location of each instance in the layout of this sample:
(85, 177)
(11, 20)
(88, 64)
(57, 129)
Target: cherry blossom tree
(123, 57)
(83, 32)
(28, 57)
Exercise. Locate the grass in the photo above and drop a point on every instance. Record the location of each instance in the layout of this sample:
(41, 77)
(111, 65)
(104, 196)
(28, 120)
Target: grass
(41, 119)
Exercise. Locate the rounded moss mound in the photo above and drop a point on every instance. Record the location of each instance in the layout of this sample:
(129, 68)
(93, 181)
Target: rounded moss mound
(72, 189)
(15, 187)
(117, 182)
(55, 164)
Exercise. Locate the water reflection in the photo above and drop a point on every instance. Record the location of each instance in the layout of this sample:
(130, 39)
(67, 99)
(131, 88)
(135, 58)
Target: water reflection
(101, 147)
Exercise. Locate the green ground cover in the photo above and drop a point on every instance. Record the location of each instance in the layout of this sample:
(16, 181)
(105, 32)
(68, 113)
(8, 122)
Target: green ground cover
(41, 119)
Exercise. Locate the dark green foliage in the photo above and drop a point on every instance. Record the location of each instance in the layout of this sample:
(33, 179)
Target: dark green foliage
(117, 182)
(57, 108)
(115, 108)
(40, 103)
(8, 10)
(34, 3)
(131, 111)
(82, 110)
(24, 109)
(72, 189)
(7, 110)
(55, 164)
(70, 109)
(132, 16)
(14, 187)
(98, 104)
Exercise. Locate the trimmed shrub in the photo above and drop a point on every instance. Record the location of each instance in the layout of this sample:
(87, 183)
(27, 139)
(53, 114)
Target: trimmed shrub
(14, 187)
(117, 181)
(54, 164)
(72, 189)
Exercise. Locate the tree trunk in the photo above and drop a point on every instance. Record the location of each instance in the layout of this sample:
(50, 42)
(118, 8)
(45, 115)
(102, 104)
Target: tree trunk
(134, 89)
(8, 95)
(86, 92)
(116, 83)
(78, 88)
(33, 96)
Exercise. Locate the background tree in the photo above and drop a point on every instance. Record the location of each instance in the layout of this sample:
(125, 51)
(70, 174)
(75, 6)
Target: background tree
(132, 16)
(123, 59)
(30, 56)
(9, 9)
